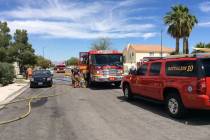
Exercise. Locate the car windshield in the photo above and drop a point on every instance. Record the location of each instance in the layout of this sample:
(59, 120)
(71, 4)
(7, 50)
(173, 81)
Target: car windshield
(107, 59)
(41, 72)
(206, 66)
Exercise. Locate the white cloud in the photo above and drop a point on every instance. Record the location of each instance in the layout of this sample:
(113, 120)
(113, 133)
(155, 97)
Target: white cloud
(204, 24)
(71, 30)
(149, 35)
(59, 19)
(205, 6)
(55, 12)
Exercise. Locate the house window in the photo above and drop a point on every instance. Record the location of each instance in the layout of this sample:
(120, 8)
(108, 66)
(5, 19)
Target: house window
(151, 53)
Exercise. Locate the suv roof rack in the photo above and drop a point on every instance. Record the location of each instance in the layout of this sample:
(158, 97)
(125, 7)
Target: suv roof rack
(181, 56)
(146, 59)
(200, 55)
(189, 55)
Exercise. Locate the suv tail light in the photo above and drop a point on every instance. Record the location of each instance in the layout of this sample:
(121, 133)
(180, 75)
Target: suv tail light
(201, 87)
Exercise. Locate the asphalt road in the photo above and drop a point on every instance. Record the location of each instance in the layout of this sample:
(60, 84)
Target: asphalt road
(97, 114)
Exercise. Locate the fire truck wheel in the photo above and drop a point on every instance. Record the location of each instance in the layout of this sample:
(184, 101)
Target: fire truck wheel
(89, 82)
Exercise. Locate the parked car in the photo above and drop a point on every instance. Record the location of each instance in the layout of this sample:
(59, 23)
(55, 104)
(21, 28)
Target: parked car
(181, 83)
(41, 78)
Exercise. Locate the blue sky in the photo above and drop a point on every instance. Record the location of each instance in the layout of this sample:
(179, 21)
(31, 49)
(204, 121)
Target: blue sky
(66, 27)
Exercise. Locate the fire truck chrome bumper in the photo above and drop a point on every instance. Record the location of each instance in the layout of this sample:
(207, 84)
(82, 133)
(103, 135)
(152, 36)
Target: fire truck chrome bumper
(107, 79)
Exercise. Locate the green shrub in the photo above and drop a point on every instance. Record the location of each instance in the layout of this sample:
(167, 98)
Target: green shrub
(6, 73)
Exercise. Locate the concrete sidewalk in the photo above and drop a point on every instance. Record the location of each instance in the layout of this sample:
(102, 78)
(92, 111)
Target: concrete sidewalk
(10, 92)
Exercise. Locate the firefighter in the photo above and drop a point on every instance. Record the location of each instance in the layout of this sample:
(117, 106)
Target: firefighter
(76, 77)
(72, 77)
(29, 73)
(132, 70)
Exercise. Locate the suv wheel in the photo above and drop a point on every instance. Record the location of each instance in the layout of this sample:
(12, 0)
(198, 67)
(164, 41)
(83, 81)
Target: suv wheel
(174, 106)
(127, 92)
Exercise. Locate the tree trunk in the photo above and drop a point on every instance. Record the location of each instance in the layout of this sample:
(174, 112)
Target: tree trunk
(177, 46)
(187, 46)
(184, 45)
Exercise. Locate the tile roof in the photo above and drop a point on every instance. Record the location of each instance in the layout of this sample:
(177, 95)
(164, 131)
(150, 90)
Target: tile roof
(150, 48)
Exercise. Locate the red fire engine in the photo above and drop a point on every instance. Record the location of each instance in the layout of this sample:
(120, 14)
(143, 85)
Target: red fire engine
(102, 66)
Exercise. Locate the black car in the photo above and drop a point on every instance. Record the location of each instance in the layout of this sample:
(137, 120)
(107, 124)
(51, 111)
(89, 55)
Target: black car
(41, 78)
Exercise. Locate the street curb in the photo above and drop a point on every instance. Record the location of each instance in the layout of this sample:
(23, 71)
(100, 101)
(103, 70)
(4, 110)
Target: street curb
(13, 96)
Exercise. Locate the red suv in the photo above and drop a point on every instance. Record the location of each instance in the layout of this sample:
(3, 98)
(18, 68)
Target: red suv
(181, 83)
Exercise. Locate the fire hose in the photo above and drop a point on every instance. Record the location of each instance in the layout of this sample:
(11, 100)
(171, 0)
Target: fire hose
(24, 115)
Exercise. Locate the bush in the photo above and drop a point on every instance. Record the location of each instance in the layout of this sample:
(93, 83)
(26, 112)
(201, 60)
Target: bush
(7, 73)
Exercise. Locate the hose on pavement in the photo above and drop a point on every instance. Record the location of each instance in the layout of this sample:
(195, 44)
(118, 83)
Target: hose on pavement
(30, 99)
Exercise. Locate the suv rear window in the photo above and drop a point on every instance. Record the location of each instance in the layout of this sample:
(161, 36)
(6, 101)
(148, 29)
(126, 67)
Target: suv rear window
(181, 68)
(205, 64)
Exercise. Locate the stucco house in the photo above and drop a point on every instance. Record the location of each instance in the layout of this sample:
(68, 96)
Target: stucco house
(133, 53)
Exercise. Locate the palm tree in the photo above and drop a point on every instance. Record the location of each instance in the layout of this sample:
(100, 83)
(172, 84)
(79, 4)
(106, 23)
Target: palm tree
(180, 23)
(174, 20)
(188, 25)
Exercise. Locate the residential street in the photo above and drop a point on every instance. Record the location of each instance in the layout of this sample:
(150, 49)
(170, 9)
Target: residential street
(96, 114)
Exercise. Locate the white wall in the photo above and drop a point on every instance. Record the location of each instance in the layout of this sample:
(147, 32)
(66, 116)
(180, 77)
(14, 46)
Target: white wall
(131, 57)
(127, 66)
(136, 58)
(139, 56)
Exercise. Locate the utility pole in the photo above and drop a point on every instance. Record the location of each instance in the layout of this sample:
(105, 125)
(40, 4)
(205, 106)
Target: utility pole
(161, 43)
(43, 50)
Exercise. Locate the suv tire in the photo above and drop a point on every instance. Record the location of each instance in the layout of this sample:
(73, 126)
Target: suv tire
(174, 106)
(127, 92)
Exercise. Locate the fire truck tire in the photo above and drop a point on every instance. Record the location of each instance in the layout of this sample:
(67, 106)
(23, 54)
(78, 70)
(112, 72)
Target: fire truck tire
(89, 82)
